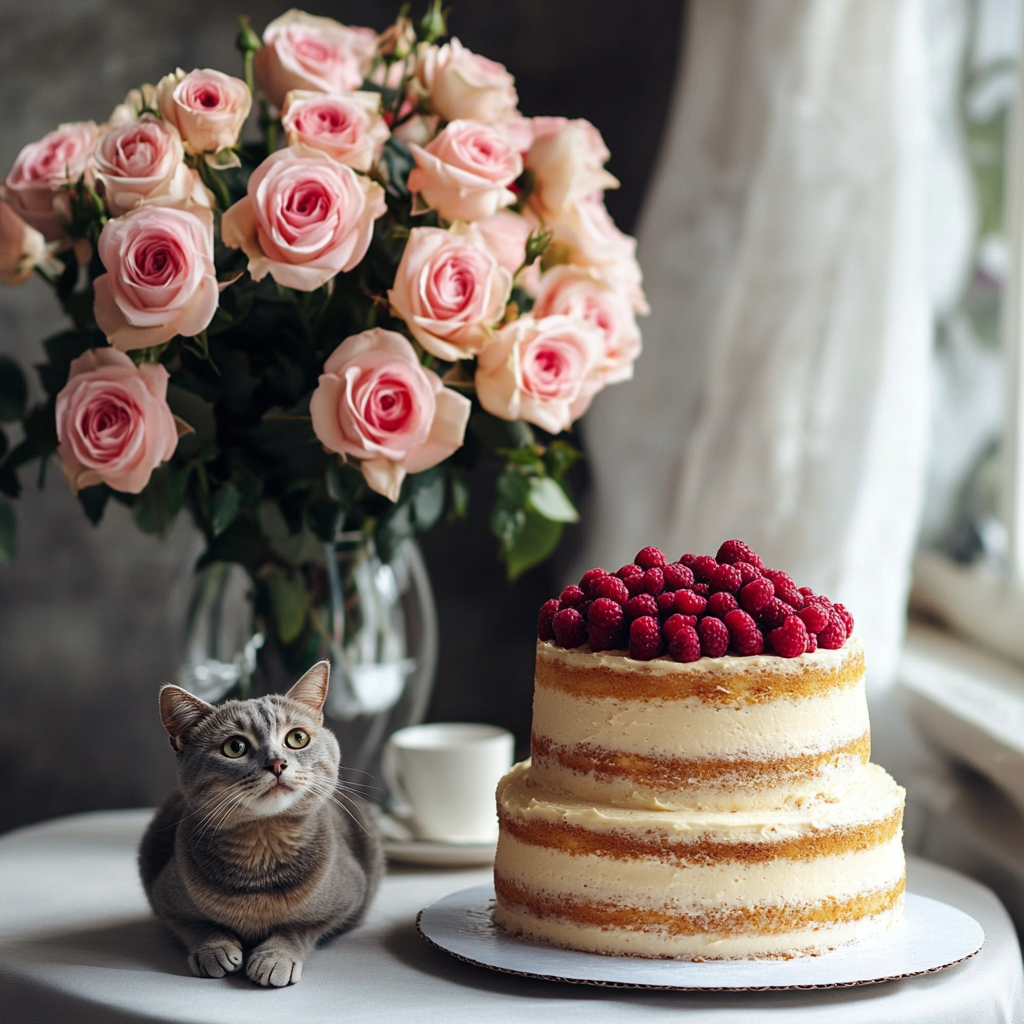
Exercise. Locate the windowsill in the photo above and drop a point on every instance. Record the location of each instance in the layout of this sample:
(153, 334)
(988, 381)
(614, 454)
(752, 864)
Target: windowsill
(968, 703)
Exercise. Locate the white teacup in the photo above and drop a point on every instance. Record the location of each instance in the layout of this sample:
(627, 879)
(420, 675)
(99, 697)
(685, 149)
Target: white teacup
(443, 775)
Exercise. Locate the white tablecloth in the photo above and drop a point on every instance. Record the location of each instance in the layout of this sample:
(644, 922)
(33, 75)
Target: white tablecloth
(78, 945)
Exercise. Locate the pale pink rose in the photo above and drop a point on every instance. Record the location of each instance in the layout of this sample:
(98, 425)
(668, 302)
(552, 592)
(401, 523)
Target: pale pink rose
(579, 292)
(138, 102)
(505, 235)
(377, 404)
(160, 278)
(306, 218)
(22, 248)
(420, 129)
(519, 132)
(586, 235)
(143, 162)
(207, 107)
(43, 169)
(540, 371)
(349, 127)
(462, 85)
(465, 172)
(450, 291)
(303, 51)
(113, 422)
(567, 159)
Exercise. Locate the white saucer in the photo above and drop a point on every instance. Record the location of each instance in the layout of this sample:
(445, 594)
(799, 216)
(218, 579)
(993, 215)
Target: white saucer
(431, 853)
(932, 936)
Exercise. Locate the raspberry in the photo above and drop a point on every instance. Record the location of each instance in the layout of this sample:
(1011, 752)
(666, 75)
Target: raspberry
(571, 596)
(584, 608)
(633, 576)
(677, 621)
(701, 588)
(725, 577)
(613, 587)
(812, 642)
(677, 576)
(744, 635)
(666, 603)
(703, 567)
(650, 558)
(815, 617)
(807, 592)
(847, 619)
(685, 644)
(689, 603)
(775, 613)
(605, 614)
(688, 560)
(545, 631)
(642, 604)
(757, 595)
(785, 589)
(790, 639)
(644, 638)
(748, 573)
(735, 551)
(721, 602)
(606, 639)
(590, 579)
(714, 637)
(654, 581)
(569, 628)
(833, 636)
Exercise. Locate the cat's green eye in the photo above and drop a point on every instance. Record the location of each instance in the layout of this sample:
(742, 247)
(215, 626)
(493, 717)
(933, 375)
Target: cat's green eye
(297, 739)
(235, 747)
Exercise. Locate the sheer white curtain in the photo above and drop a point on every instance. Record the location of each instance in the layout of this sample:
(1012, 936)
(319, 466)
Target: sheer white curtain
(789, 253)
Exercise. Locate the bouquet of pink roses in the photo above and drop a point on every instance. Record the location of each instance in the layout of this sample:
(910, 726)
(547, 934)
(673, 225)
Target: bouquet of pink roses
(325, 327)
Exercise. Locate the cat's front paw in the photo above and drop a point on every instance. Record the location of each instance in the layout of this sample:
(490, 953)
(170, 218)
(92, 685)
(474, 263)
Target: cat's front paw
(216, 957)
(274, 964)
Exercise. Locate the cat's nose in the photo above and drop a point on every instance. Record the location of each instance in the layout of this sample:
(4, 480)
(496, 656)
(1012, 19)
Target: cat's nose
(276, 766)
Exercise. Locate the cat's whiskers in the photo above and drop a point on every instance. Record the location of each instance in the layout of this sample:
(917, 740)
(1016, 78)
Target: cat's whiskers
(327, 791)
(216, 818)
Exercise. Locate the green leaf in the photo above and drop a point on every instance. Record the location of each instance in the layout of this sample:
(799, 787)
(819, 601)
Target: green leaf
(549, 500)
(8, 531)
(427, 497)
(496, 433)
(289, 603)
(241, 542)
(154, 509)
(535, 542)
(507, 523)
(13, 390)
(559, 457)
(294, 548)
(224, 508)
(198, 414)
(94, 500)
(398, 162)
(512, 488)
(460, 497)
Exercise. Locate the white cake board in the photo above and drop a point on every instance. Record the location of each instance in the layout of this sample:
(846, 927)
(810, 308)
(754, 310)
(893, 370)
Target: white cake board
(932, 936)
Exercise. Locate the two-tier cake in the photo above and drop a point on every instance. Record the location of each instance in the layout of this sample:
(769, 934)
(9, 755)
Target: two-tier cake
(700, 784)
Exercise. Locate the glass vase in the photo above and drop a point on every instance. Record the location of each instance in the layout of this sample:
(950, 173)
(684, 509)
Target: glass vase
(374, 620)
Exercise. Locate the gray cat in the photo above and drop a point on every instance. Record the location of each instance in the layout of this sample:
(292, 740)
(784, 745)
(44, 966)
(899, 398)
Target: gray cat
(251, 860)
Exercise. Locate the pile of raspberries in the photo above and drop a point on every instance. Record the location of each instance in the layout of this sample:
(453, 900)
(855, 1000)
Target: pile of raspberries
(697, 607)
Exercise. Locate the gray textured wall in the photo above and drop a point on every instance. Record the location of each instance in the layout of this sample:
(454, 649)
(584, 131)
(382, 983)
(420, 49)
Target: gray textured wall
(88, 616)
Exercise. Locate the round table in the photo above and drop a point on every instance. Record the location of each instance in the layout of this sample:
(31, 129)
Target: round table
(78, 944)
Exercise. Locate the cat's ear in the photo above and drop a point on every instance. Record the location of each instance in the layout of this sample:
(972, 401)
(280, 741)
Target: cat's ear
(311, 689)
(180, 711)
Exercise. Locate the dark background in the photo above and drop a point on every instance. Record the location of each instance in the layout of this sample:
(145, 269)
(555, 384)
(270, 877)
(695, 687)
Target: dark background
(88, 617)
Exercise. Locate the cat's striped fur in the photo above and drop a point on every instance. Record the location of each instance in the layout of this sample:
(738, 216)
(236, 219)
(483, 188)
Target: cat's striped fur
(252, 861)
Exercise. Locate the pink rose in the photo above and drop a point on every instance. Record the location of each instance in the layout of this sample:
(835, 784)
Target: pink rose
(540, 371)
(43, 169)
(450, 291)
(349, 128)
(567, 159)
(376, 403)
(505, 235)
(160, 278)
(135, 104)
(462, 85)
(578, 292)
(587, 236)
(465, 172)
(208, 108)
(302, 51)
(143, 162)
(113, 422)
(305, 219)
(22, 248)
